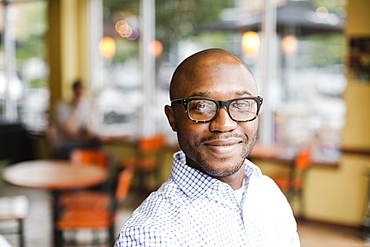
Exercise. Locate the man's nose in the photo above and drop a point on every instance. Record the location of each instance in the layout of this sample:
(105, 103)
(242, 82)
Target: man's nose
(223, 122)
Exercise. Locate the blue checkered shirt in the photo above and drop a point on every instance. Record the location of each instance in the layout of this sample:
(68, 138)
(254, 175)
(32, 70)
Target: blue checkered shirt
(194, 209)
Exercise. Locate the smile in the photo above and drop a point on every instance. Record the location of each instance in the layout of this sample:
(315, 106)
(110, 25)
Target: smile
(223, 146)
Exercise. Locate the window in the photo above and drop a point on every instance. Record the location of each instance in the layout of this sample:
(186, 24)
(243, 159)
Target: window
(23, 71)
(307, 81)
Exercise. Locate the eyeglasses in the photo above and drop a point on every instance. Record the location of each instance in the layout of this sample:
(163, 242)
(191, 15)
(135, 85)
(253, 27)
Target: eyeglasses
(203, 110)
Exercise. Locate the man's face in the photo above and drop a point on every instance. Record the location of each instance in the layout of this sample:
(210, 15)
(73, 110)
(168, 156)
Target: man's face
(217, 148)
(78, 90)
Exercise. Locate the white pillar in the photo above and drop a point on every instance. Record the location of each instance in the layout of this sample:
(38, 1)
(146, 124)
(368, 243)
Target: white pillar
(268, 70)
(147, 62)
(11, 113)
(96, 34)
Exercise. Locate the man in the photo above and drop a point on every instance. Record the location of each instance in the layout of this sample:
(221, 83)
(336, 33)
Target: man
(72, 126)
(214, 196)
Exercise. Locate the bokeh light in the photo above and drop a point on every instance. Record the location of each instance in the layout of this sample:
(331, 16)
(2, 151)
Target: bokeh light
(107, 47)
(123, 29)
(250, 43)
(134, 35)
(156, 48)
(289, 45)
(322, 12)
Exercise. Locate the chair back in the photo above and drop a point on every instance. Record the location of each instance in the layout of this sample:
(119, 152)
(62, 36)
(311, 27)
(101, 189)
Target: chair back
(14, 207)
(124, 183)
(90, 157)
(152, 144)
(303, 159)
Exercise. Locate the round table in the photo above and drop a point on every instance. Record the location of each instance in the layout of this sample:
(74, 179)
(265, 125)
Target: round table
(55, 176)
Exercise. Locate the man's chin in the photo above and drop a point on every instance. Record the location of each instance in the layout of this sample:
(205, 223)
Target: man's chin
(223, 167)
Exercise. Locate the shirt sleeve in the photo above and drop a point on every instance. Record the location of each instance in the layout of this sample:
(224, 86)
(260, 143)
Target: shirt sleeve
(142, 236)
(295, 239)
(287, 214)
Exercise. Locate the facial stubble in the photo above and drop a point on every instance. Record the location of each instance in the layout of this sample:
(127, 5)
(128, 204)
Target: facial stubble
(215, 170)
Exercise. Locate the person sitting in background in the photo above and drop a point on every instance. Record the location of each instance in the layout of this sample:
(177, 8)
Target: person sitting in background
(215, 196)
(72, 124)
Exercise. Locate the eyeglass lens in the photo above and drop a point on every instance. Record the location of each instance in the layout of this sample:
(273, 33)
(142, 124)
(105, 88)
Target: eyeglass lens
(239, 110)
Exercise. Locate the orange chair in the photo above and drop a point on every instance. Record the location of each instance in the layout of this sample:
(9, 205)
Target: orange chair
(90, 157)
(88, 198)
(99, 218)
(293, 184)
(147, 158)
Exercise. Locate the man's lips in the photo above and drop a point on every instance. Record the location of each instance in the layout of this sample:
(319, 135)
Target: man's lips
(223, 142)
(223, 146)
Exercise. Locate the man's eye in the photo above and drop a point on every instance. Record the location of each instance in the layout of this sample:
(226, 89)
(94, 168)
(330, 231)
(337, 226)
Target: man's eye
(201, 106)
(241, 105)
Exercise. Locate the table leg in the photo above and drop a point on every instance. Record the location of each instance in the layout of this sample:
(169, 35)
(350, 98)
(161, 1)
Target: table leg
(57, 235)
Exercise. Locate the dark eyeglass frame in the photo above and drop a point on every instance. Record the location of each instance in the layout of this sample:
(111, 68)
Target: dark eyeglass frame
(219, 103)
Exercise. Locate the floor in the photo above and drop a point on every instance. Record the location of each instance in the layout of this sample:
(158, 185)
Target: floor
(317, 235)
(38, 232)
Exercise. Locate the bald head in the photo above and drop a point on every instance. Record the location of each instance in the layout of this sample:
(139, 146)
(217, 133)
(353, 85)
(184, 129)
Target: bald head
(219, 145)
(199, 64)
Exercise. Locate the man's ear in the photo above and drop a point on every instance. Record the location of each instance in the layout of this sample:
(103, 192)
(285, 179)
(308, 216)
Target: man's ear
(170, 117)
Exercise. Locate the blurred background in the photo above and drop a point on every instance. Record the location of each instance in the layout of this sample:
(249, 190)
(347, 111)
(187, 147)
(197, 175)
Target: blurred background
(128, 64)
(311, 60)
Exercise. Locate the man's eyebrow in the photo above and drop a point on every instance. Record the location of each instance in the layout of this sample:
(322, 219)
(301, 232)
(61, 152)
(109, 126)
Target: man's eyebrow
(206, 94)
(199, 94)
(238, 92)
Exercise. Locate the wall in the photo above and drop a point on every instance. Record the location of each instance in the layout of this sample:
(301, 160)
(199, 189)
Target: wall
(67, 46)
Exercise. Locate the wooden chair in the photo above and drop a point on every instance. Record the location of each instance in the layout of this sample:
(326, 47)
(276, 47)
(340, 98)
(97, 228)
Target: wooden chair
(98, 218)
(147, 159)
(90, 157)
(89, 198)
(14, 208)
(293, 184)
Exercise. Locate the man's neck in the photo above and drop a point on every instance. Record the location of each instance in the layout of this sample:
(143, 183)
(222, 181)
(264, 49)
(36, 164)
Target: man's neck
(75, 101)
(234, 180)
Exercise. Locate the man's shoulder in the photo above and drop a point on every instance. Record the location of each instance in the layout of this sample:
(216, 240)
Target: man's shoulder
(162, 203)
(254, 173)
(61, 104)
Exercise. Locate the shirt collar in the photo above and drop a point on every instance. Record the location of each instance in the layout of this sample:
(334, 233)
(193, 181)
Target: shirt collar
(195, 183)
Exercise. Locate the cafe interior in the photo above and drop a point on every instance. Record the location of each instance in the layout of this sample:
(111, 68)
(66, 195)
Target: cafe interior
(311, 61)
